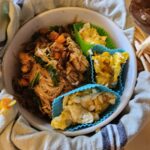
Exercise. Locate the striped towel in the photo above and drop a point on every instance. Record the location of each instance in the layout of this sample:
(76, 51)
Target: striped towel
(17, 133)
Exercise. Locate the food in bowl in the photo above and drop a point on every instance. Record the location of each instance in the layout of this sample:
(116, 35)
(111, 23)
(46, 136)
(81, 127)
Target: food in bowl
(87, 35)
(64, 16)
(108, 67)
(82, 108)
(90, 35)
(50, 64)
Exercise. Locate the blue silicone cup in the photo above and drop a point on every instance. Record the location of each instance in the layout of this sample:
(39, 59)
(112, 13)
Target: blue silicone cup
(119, 86)
(121, 82)
(57, 105)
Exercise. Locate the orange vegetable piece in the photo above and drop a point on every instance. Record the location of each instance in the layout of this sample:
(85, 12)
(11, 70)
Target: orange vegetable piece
(23, 82)
(53, 36)
(58, 46)
(25, 68)
(57, 55)
(61, 39)
(25, 58)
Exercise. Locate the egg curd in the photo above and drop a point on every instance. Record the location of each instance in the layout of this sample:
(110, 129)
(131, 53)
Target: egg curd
(83, 107)
(90, 35)
(108, 67)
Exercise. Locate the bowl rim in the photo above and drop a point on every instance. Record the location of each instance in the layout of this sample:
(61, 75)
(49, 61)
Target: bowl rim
(120, 108)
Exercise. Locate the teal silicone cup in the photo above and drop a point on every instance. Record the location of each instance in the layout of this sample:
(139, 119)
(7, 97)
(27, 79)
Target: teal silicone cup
(57, 105)
(119, 86)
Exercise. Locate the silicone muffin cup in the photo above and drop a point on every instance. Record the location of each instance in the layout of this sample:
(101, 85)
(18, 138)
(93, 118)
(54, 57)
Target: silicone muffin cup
(57, 105)
(119, 86)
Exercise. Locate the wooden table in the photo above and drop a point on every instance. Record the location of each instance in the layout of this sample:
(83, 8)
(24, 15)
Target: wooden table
(141, 141)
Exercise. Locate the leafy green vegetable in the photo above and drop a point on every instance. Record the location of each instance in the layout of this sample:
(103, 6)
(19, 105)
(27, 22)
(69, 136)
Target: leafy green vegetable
(86, 46)
(54, 74)
(40, 61)
(52, 71)
(35, 80)
(109, 42)
(56, 28)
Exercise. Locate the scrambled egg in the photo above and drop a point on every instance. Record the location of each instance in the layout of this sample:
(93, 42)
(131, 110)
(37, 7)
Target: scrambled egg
(108, 67)
(90, 35)
(82, 107)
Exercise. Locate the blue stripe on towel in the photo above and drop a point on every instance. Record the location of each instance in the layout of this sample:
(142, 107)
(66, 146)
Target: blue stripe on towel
(111, 136)
(122, 134)
(105, 137)
(117, 137)
(114, 136)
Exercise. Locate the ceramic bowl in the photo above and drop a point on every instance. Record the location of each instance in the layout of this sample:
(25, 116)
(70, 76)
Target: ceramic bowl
(63, 16)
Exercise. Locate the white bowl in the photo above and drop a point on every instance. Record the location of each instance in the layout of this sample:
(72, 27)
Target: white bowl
(63, 16)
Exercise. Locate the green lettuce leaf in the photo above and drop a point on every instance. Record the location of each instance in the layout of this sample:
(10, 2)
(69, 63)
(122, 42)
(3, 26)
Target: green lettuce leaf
(85, 46)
